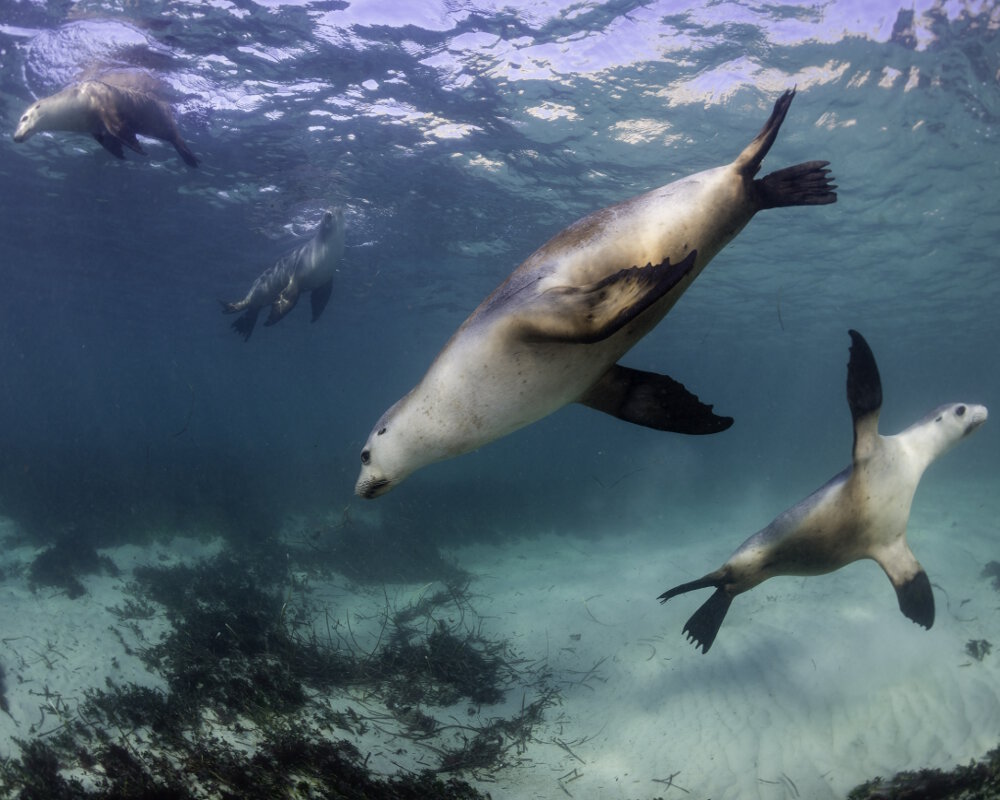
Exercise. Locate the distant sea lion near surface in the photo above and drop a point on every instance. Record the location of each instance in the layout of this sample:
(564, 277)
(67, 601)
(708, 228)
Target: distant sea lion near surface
(860, 513)
(553, 332)
(308, 268)
(114, 107)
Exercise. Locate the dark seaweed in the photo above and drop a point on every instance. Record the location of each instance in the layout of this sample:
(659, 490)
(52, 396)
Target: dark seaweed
(235, 650)
(978, 648)
(62, 563)
(287, 765)
(229, 648)
(992, 570)
(975, 781)
(3, 691)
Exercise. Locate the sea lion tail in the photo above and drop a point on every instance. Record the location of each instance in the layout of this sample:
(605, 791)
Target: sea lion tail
(704, 624)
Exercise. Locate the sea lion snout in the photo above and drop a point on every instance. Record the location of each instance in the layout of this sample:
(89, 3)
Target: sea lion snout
(24, 127)
(976, 415)
(371, 488)
(332, 223)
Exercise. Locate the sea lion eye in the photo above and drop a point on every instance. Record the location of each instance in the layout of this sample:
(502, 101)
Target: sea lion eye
(366, 456)
(960, 411)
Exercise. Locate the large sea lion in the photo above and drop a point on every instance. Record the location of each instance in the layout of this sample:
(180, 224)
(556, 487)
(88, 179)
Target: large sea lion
(113, 107)
(308, 268)
(860, 513)
(553, 332)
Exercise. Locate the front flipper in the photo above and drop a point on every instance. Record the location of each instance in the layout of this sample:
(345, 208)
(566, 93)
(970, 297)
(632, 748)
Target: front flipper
(319, 297)
(110, 143)
(185, 152)
(128, 138)
(592, 313)
(118, 128)
(653, 401)
(864, 396)
(913, 587)
(916, 600)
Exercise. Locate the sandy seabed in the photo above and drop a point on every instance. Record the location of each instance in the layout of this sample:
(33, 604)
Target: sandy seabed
(812, 687)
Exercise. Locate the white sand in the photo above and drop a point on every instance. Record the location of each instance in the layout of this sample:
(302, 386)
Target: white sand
(813, 685)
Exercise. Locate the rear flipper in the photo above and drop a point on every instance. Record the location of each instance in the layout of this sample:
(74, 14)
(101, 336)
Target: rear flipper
(704, 624)
(706, 621)
(653, 401)
(245, 322)
(805, 184)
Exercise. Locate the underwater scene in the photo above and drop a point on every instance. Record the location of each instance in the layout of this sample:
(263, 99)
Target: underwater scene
(460, 399)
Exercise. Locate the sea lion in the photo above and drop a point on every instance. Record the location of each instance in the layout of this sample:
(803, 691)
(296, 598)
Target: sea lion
(860, 513)
(308, 268)
(553, 332)
(113, 107)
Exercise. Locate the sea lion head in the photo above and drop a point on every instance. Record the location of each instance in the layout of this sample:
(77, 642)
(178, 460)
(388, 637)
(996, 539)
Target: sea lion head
(72, 109)
(328, 241)
(383, 458)
(947, 425)
(402, 441)
(332, 223)
(28, 125)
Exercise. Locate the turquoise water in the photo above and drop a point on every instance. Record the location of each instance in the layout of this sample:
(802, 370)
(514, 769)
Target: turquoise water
(459, 137)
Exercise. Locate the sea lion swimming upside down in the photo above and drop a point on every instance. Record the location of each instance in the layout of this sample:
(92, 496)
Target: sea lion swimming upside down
(860, 513)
